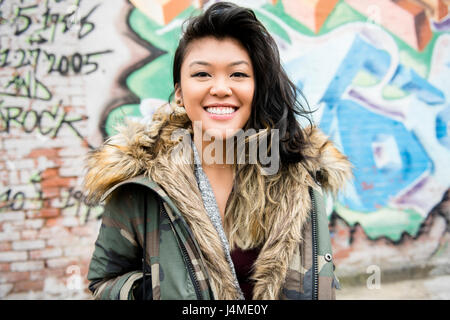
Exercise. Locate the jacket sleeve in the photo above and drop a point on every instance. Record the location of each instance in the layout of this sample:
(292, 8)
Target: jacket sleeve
(115, 270)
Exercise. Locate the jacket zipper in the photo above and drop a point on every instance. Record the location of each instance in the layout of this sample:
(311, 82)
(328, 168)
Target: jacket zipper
(314, 247)
(190, 267)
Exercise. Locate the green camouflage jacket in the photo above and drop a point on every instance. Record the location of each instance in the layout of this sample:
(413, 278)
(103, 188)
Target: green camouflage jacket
(162, 218)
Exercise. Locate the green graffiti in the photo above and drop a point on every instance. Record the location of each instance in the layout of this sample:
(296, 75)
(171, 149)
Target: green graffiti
(389, 222)
(153, 80)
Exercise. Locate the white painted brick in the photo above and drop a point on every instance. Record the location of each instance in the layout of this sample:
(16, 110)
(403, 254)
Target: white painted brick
(34, 223)
(72, 211)
(33, 204)
(73, 141)
(57, 202)
(58, 262)
(44, 163)
(5, 289)
(73, 91)
(27, 188)
(53, 232)
(66, 131)
(24, 164)
(78, 100)
(77, 162)
(4, 175)
(62, 241)
(70, 171)
(11, 226)
(69, 152)
(21, 146)
(27, 266)
(29, 234)
(76, 251)
(46, 253)
(25, 176)
(12, 215)
(8, 256)
(28, 244)
(13, 177)
(9, 236)
(71, 221)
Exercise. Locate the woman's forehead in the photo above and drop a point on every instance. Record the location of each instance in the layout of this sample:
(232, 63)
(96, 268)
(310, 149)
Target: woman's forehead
(210, 50)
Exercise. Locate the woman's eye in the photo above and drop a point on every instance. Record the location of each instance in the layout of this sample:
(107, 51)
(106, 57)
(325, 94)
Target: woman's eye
(200, 74)
(240, 75)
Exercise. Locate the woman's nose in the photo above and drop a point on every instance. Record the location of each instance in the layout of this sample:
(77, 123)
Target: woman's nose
(220, 88)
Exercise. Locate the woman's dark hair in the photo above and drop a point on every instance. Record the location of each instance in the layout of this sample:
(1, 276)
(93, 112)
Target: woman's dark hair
(275, 98)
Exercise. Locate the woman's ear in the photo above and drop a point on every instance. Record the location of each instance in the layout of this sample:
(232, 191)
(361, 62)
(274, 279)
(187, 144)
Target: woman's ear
(178, 95)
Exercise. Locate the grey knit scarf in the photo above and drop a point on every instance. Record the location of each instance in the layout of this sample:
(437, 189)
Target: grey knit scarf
(209, 201)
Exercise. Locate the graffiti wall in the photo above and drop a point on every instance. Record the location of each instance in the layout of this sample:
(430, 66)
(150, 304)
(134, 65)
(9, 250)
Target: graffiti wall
(376, 72)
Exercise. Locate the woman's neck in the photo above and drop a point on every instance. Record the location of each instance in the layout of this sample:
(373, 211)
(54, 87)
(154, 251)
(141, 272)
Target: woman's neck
(213, 154)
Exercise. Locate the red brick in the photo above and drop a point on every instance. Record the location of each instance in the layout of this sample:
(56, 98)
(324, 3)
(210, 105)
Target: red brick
(9, 277)
(52, 222)
(25, 286)
(4, 267)
(48, 153)
(341, 254)
(57, 182)
(49, 212)
(49, 173)
(50, 192)
(5, 246)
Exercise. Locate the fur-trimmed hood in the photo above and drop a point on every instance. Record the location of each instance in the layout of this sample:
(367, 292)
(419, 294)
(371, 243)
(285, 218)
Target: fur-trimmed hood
(149, 149)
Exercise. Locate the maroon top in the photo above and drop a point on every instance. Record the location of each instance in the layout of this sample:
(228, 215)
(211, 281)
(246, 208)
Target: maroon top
(243, 261)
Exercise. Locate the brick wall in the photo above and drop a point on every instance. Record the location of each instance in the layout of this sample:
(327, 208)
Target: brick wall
(66, 70)
(47, 229)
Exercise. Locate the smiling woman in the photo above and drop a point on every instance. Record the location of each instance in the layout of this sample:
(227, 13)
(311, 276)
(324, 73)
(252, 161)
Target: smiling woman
(217, 85)
(176, 226)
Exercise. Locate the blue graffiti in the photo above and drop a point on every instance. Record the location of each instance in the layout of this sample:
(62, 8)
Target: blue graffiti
(362, 133)
(387, 156)
(443, 127)
(408, 80)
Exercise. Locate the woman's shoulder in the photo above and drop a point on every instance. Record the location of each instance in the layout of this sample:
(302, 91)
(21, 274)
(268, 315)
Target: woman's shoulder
(135, 189)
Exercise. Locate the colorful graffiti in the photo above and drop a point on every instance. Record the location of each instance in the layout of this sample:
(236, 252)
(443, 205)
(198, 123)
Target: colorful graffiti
(376, 71)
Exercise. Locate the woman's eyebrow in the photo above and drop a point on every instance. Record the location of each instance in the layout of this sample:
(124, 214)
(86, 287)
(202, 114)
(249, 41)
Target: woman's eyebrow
(204, 63)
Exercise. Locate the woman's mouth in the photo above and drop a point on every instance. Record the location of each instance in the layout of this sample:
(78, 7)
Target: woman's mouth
(219, 112)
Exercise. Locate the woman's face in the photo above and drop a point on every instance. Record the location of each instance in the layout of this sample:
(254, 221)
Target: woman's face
(217, 85)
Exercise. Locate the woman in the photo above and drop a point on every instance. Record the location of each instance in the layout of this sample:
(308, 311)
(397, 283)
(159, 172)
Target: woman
(214, 228)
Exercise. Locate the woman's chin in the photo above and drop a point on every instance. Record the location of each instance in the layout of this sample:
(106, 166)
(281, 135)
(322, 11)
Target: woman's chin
(220, 134)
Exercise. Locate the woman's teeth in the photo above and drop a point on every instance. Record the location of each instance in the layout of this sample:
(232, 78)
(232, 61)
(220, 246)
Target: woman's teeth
(220, 110)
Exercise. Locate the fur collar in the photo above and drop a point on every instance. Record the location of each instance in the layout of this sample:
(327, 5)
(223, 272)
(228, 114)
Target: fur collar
(140, 149)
